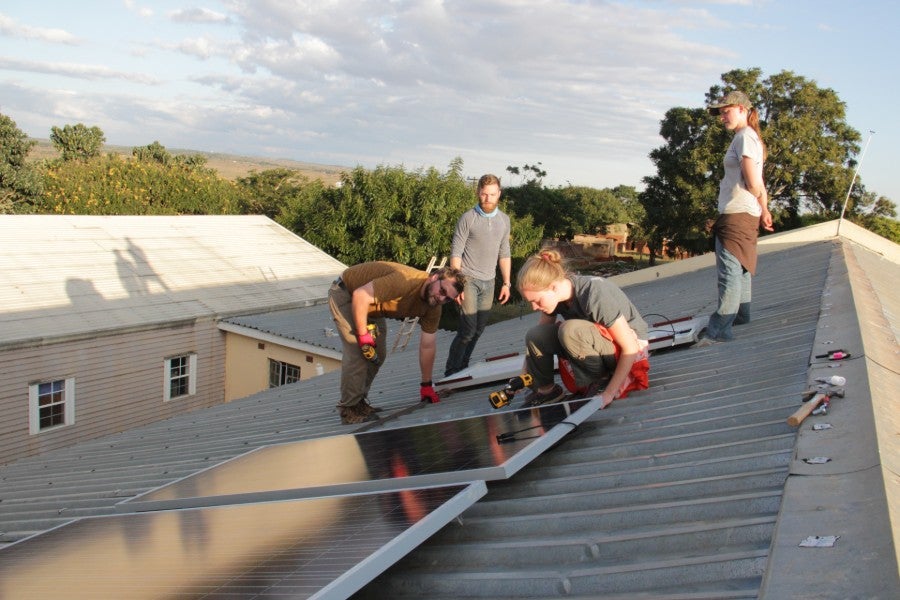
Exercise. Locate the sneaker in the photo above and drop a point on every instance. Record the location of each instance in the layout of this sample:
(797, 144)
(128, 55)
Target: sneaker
(705, 342)
(536, 398)
(353, 415)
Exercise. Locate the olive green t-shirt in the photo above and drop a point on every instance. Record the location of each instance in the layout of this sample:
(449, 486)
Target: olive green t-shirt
(398, 291)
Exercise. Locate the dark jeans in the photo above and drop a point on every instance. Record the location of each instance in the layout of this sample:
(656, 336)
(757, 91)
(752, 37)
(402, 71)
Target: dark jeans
(478, 297)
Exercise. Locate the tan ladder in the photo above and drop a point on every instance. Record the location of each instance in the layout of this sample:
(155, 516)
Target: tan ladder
(408, 325)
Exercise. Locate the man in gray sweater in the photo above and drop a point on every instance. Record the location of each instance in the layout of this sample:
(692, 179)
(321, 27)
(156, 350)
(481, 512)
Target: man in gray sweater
(480, 243)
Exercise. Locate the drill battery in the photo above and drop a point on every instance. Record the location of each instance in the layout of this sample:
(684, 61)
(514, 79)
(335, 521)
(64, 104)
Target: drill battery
(503, 397)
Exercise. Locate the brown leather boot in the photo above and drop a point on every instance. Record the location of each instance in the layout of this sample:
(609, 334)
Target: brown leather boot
(352, 415)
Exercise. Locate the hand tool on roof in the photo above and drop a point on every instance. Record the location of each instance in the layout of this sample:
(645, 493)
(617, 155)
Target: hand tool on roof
(804, 411)
(833, 392)
(838, 354)
(503, 397)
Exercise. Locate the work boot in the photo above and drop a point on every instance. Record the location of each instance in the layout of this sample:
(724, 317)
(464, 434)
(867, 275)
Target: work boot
(353, 415)
(368, 407)
(536, 398)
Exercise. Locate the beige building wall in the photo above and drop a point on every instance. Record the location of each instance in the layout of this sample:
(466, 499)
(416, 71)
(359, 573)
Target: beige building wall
(119, 383)
(247, 364)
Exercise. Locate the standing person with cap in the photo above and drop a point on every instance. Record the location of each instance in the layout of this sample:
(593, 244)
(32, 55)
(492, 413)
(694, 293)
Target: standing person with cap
(480, 244)
(743, 206)
(369, 293)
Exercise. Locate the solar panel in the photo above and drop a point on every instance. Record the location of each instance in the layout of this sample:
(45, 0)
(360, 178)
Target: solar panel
(309, 548)
(486, 447)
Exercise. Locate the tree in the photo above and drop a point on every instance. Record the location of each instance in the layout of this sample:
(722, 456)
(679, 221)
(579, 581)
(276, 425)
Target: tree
(20, 183)
(113, 185)
(152, 152)
(384, 214)
(557, 214)
(595, 208)
(77, 142)
(271, 191)
(531, 173)
(156, 152)
(808, 169)
(391, 214)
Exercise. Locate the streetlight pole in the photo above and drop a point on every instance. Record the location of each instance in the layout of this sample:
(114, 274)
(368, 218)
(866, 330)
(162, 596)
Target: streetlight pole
(852, 181)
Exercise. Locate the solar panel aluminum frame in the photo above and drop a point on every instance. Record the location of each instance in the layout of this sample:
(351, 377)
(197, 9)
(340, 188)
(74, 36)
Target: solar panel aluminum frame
(275, 547)
(169, 496)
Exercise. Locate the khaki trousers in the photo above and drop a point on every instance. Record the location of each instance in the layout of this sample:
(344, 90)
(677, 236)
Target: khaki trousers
(357, 373)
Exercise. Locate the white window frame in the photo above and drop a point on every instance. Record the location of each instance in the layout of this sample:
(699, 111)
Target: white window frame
(34, 409)
(192, 376)
(283, 367)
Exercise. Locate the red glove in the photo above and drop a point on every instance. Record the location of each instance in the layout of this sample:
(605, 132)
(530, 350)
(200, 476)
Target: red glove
(427, 393)
(365, 339)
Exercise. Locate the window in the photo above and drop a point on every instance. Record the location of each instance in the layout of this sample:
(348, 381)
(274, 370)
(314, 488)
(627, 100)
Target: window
(281, 373)
(180, 377)
(51, 404)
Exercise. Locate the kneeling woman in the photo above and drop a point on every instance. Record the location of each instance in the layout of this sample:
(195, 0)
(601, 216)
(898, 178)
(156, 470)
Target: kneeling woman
(601, 342)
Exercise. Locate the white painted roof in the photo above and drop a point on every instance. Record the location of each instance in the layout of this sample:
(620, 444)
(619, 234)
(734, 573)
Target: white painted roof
(64, 276)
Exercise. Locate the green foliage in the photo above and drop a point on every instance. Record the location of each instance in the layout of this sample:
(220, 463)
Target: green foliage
(530, 173)
(557, 214)
(112, 185)
(562, 212)
(596, 208)
(384, 214)
(154, 152)
(390, 214)
(808, 168)
(884, 226)
(20, 184)
(272, 191)
(157, 153)
(77, 142)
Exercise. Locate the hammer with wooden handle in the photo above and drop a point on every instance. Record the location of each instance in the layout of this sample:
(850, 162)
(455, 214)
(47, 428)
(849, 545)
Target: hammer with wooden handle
(804, 411)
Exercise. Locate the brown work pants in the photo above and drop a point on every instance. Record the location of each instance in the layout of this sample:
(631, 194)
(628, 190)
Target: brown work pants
(357, 373)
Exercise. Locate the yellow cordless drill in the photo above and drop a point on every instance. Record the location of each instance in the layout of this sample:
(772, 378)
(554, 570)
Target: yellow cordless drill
(504, 396)
(368, 350)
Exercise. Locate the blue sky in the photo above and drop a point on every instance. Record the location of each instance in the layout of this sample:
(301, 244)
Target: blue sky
(579, 85)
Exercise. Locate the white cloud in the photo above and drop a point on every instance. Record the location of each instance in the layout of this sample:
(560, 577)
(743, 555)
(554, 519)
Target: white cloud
(197, 15)
(10, 27)
(75, 71)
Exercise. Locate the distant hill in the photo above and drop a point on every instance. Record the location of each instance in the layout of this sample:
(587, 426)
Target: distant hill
(228, 166)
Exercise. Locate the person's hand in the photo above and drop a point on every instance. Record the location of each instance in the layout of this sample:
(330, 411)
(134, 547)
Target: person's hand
(366, 339)
(427, 393)
(765, 220)
(504, 293)
(606, 398)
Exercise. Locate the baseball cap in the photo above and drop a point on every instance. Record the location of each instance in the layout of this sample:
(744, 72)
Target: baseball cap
(733, 98)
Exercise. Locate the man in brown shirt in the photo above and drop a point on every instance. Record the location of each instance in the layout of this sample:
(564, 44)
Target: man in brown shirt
(370, 293)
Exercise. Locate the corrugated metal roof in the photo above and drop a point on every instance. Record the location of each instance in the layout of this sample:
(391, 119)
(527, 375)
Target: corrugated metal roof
(676, 492)
(309, 325)
(73, 275)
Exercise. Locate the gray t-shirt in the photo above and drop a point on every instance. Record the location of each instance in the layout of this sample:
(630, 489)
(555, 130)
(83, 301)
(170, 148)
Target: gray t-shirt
(480, 242)
(601, 301)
